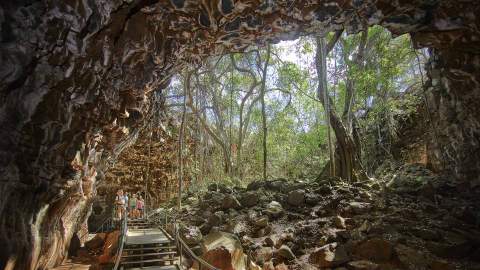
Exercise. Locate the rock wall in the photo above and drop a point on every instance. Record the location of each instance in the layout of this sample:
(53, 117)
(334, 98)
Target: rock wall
(151, 163)
(454, 98)
(77, 77)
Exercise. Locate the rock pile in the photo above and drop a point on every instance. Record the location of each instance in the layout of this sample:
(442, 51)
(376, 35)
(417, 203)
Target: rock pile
(330, 224)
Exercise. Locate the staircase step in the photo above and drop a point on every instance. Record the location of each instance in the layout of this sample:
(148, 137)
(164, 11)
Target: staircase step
(165, 267)
(149, 261)
(150, 248)
(149, 254)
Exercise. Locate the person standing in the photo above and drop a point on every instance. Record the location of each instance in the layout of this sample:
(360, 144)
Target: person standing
(120, 204)
(140, 204)
(132, 203)
(127, 197)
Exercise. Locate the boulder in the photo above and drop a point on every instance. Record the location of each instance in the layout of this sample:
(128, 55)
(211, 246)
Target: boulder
(261, 232)
(410, 258)
(375, 249)
(219, 187)
(96, 242)
(330, 255)
(296, 197)
(268, 241)
(263, 255)
(312, 199)
(254, 185)
(191, 235)
(279, 185)
(224, 251)
(249, 199)
(205, 228)
(339, 222)
(286, 253)
(358, 208)
(324, 190)
(109, 248)
(261, 222)
(229, 201)
(274, 209)
(216, 219)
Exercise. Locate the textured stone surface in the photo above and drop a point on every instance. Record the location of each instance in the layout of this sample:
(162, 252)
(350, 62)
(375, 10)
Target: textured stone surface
(77, 84)
(224, 251)
(453, 93)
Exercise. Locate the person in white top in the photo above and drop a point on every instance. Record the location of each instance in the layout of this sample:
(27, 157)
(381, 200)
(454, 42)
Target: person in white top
(120, 202)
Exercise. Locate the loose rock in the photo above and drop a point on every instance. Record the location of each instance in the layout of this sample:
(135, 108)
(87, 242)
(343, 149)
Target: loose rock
(330, 255)
(296, 197)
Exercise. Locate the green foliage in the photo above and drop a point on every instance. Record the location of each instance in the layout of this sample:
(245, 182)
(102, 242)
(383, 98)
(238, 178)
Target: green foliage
(297, 134)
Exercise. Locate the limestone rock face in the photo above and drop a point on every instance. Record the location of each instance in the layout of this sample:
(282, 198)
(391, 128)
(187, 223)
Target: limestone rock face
(80, 79)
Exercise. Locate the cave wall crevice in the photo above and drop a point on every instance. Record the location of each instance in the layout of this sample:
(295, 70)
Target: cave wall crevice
(77, 77)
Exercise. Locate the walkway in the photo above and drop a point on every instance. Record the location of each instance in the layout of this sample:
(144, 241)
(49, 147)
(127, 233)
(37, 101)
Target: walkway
(145, 245)
(148, 247)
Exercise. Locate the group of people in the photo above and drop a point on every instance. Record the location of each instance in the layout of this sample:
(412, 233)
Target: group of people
(129, 204)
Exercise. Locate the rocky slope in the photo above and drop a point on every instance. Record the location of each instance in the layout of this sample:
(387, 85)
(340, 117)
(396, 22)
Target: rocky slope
(409, 219)
(78, 80)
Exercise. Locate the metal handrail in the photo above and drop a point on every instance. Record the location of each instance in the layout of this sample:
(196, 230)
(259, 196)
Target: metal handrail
(99, 228)
(121, 241)
(180, 243)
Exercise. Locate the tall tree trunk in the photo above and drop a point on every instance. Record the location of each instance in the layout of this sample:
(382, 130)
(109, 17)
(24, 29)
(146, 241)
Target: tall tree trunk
(346, 157)
(358, 58)
(324, 96)
(214, 134)
(242, 125)
(264, 117)
(181, 135)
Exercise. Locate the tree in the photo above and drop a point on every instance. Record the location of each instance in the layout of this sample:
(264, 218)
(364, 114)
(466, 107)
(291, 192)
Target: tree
(346, 162)
(264, 117)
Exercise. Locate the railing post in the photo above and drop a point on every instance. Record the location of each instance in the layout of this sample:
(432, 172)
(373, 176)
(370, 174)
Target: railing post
(181, 255)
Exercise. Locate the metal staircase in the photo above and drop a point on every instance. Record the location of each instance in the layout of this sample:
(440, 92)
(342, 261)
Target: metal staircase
(145, 246)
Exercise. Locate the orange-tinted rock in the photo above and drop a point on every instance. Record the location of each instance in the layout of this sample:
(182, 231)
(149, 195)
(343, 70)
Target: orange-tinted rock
(330, 255)
(224, 251)
(96, 242)
(110, 248)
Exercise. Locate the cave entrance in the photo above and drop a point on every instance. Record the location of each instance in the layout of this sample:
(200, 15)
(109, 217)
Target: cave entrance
(81, 81)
